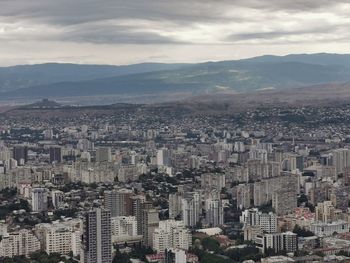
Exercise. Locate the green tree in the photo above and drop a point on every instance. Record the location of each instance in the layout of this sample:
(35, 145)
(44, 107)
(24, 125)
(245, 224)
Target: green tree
(302, 231)
(211, 244)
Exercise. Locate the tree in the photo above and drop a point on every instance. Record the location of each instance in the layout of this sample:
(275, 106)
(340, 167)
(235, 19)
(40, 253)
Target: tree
(210, 258)
(121, 257)
(302, 231)
(211, 244)
(247, 253)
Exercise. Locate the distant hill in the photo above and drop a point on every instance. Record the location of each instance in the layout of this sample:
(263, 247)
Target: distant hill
(24, 76)
(160, 80)
(43, 104)
(320, 59)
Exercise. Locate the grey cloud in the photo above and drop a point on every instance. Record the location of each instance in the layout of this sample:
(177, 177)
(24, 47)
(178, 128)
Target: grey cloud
(66, 12)
(271, 35)
(179, 24)
(88, 20)
(114, 34)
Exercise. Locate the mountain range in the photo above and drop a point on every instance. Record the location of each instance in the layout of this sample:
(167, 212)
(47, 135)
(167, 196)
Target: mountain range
(159, 81)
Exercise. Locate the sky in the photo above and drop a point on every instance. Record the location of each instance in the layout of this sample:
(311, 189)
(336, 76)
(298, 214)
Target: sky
(133, 31)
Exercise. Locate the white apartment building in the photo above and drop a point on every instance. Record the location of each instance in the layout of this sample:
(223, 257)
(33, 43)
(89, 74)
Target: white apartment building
(328, 229)
(287, 241)
(171, 234)
(191, 209)
(57, 199)
(63, 237)
(22, 242)
(124, 229)
(214, 212)
(39, 199)
(254, 217)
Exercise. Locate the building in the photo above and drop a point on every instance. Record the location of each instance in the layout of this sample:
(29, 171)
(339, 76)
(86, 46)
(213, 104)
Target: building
(97, 237)
(58, 240)
(174, 205)
(138, 202)
(328, 229)
(340, 158)
(175, 256)
(150, 221)
(244, 195)
(284, 201)
(277, 242)
(325, 212)
(278, 259)
(163, 157)
(267, 222)
(191, 209)
(39, 200)
(171, 234)
(20, 243)
(103, 154)
(214, 212)
(119, 202)
(124, 229)
(213, 180)
(55, 154)
(128, 173)
(57, 199)
(20, 154)
(60, 237)
(251, 232)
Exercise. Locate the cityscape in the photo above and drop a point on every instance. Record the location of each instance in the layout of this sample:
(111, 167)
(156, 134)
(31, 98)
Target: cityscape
(188, 131)
(266, 185)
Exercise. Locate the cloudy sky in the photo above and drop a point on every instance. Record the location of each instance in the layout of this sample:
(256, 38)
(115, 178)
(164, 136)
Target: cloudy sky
(132, 31)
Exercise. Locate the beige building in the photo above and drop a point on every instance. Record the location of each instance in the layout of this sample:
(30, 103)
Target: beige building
(22, 242)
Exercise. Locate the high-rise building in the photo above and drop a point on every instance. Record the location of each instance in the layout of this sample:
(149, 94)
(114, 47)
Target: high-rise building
(300, 162)
(57, 199)
(150, 221)
(163, 157)
(244, 195)
(103, 154)
(213, 180)
(58, 240)
(22, 242)
(325, 212)
(340, 158)
(128, 173)
(20, 154)
(191, 209)
(171, 234)
(39, 199)
(137, 208)
(55, 154)
(214, 212)
(267, 222)
(97, 237)
(284, 201)
(174, 205)
(124, 229)
(119, 202)
(60, 237)
(287, 242)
